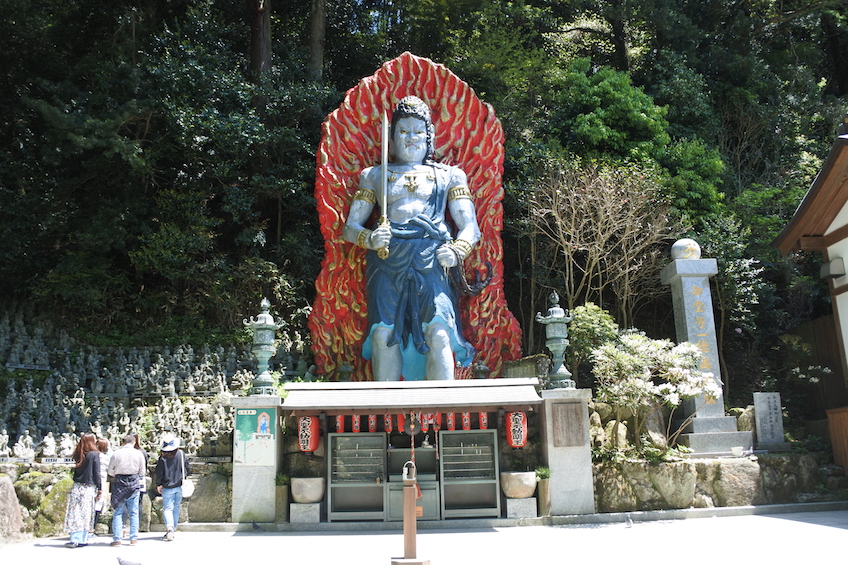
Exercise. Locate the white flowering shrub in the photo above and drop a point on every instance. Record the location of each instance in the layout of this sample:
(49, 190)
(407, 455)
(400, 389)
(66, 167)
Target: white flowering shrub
(638, 374)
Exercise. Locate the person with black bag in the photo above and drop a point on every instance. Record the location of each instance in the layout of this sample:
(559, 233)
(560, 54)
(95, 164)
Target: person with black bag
(171, 471)
(87, 488)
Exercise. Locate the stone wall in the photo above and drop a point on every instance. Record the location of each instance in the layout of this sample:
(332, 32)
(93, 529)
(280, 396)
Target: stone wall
(33, 499)
(705, 483)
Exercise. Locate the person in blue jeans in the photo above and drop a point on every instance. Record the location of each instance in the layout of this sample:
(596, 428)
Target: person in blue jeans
(171, 469)
(128, 469)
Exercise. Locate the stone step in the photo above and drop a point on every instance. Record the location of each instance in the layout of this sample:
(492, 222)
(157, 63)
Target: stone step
(717, 442)
(700, 425)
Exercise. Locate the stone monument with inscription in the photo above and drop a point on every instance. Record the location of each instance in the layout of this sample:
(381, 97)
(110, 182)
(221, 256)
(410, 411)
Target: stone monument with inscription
(768, 417)
(709, 431)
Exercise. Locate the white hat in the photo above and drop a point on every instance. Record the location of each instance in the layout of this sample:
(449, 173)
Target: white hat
(170, 442)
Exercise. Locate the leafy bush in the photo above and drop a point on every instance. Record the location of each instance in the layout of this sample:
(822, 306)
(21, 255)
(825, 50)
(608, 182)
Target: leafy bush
(591, 327)
(639, 374)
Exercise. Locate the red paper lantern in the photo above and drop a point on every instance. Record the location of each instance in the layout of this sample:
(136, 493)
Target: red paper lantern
(451, 421)
(516, 429)
(437, 422)
(483, 418)
(340, 424)
(308, 433)
(387, 423)
(355, 423)
(401, 423)
(466, 420)
(372, 422)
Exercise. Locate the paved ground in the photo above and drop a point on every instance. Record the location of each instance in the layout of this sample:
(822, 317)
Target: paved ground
(776, 539)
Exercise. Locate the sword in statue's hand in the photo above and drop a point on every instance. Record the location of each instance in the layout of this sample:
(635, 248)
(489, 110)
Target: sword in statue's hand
(383, 252)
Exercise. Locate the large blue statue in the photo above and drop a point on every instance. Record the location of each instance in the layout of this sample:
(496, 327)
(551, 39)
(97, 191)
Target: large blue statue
(414, 324)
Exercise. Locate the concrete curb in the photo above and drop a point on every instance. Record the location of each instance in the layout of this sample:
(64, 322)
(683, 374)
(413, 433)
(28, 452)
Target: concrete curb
(489, 523)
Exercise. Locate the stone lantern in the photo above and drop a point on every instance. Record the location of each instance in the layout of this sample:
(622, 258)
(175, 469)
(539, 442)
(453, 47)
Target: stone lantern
(556, 331)
(264, 329)
(481, 370)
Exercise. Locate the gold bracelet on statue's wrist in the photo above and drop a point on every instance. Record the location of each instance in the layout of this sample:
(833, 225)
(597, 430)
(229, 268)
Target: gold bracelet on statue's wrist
(363, 237)
(463, 247)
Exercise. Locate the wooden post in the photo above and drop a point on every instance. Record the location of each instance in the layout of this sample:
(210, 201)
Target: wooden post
(410, 495)
(409, 525)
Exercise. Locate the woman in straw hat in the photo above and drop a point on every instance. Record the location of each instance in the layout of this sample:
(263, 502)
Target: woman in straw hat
(171, 470)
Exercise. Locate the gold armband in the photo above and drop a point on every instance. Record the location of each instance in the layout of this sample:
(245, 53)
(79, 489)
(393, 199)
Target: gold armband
(366, 195)
(363, 237)
(458, 192)
(463, 247)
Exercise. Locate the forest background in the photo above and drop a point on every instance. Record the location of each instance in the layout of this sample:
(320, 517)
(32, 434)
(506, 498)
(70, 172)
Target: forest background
(157, 158)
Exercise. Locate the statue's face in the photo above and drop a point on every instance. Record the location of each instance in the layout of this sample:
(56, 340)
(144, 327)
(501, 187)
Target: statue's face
(409, 143)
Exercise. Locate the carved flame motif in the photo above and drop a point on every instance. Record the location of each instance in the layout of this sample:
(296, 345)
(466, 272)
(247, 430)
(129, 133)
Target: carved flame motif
(467, 134)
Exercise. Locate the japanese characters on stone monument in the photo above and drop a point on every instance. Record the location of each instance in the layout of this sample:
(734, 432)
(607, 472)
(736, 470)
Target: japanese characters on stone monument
(688, 276)
(710, 431)
(768, 417)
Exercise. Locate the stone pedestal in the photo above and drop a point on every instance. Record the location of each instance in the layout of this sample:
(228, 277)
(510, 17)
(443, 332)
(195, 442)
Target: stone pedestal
(305, 512)
(710, 432)
(567, 450)
(256, 455)
(544, 491)
(521, 507)
(281, 503)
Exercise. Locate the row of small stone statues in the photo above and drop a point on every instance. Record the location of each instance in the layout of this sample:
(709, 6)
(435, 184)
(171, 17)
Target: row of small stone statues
(147, 373)
(25, 447)
(137, 371)
(52, 407)
(204, 428)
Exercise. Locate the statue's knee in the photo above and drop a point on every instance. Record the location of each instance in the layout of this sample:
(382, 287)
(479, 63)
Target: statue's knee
(380, 337)
(437, 337)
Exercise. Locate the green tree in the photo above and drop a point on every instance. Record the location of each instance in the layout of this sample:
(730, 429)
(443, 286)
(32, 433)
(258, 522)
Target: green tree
(590, 328)
(126, 174)
(695, 175)
(737, 285)
(598, 113)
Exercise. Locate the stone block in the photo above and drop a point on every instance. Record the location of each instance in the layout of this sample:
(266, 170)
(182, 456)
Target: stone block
(11, 518)
(211, 501)
(253, 494)
(700, 425)
(305, 513)
(521, 507)
(769, 417)
(567, 450)
(718, 443)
